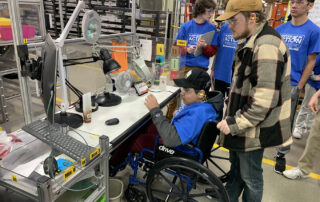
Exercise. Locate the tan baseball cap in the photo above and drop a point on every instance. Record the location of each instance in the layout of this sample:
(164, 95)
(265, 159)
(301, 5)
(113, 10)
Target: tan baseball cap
(235, 6)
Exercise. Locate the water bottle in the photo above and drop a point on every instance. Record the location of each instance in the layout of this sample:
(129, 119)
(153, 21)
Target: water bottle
(163, 83)
(157, 73)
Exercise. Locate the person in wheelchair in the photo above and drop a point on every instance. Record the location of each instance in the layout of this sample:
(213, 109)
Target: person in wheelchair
(198, 108)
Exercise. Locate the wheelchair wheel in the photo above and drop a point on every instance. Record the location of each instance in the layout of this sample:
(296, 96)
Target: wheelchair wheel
(181, 179)
(222, 174)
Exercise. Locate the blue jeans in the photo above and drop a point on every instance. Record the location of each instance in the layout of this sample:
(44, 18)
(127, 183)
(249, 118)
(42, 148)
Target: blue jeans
(246, 176)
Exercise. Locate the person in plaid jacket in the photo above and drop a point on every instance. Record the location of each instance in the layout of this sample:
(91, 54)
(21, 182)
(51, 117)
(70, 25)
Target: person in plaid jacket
(258, 113)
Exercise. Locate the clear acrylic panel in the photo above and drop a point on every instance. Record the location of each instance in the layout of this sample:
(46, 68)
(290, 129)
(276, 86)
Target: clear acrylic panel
(32, 23)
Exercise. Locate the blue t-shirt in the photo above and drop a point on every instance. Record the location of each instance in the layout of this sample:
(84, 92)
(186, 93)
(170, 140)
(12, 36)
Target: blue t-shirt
(302, 41)
(191, 31)
(224, 58)
(316, 71)
(190, 119)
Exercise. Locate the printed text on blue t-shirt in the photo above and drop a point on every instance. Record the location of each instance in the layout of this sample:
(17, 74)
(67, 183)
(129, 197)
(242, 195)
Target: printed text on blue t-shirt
(229, 42)
(293, 41)
(193, 39)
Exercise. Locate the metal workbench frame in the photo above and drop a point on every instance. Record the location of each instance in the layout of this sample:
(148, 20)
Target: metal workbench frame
(42, 25)
(45, 186)
(3, 103)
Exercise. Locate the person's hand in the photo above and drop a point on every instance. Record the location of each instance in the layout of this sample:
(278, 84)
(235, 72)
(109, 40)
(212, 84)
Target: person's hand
(223, 127)
(175, 111)
(151, 102)
(313, 103)
(317, 78)
(201, 43)
(190, 49)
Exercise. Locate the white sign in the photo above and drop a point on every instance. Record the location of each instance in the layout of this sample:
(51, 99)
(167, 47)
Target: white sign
(146, 49)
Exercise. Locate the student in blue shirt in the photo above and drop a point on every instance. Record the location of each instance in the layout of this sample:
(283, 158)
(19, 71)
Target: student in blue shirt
(222, 66)
(186, 124)
(302, 38)
(191, 31)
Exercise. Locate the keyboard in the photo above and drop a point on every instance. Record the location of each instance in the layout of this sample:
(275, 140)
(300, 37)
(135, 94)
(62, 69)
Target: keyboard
(52, 135)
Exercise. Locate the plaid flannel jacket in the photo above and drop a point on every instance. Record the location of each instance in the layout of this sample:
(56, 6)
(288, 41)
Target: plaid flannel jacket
(258, 113)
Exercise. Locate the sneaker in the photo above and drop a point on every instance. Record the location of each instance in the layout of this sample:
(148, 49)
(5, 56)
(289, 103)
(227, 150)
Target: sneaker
(295, 173)
(297, 133)
(280, 163)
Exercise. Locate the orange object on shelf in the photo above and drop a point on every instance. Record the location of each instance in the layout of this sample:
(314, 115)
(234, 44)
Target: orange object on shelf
(188, 13)
(279, 11)
(188, 10)
(120, 55)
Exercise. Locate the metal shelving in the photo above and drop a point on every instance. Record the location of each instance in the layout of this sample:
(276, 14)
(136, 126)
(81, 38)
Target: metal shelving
(149, 23)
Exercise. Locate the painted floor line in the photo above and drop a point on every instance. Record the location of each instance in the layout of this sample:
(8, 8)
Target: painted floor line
(272, 163)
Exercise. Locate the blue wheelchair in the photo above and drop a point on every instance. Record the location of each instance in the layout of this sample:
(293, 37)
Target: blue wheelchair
(177, 174)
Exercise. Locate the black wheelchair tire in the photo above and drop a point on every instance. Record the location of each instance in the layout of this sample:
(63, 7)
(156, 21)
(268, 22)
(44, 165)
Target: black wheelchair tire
(188, 167)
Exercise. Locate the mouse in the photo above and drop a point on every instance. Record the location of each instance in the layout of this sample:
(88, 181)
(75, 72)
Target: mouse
(50, 166)
(112, 121)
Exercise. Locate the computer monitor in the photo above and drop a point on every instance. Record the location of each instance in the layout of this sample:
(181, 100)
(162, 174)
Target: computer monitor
(48, 83)
(49, 77)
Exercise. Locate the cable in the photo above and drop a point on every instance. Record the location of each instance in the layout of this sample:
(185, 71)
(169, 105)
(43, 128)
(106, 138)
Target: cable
(159, 91)
(74, 89)
(79, 135)
(66, 188)
(84, 189)
(154, 91)
(51, 97)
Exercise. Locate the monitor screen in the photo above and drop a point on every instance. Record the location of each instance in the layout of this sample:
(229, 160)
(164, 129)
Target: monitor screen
(49, 77)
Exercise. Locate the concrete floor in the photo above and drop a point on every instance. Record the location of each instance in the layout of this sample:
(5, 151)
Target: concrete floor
(276, 187)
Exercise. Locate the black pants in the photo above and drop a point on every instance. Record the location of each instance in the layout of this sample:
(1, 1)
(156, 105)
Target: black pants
(221, 86)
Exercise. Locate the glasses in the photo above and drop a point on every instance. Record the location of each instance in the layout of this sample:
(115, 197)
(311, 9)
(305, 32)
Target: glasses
(209, 11)
(299, 2)
(232, 21)
(187, 90)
